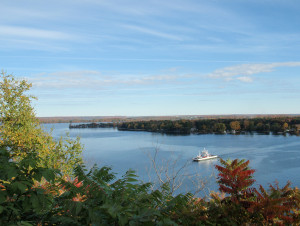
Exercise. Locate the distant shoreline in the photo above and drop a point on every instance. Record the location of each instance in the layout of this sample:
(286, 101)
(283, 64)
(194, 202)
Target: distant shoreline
(87, 119)
(276, 126)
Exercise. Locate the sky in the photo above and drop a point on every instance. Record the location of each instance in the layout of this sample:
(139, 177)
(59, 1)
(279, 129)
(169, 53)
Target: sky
(154, 57)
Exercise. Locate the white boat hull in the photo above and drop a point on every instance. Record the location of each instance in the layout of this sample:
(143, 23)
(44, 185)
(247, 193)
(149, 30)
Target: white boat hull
(205, 158)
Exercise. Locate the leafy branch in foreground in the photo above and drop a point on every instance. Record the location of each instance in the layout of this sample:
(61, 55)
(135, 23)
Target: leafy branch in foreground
(20, 200)
(98, 198)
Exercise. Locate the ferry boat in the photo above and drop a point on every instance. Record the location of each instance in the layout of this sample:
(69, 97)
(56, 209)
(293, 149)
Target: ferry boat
(204, 156)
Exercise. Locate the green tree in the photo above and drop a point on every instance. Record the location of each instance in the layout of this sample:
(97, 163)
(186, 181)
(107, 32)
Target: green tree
(21, 133)
(285, 126)
(246, 124)
(219, 127)
(251, 126)
(276, 127)
(260, 127)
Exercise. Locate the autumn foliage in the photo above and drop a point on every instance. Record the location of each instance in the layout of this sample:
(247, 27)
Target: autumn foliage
(235, 177)
(255, 206)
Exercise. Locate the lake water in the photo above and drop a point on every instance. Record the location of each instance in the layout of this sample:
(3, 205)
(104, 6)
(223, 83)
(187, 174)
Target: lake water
(274, 157)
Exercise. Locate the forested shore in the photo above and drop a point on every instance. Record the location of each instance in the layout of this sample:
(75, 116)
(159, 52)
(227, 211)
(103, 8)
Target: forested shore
(289, 125)
(285, 125)
(91, 125)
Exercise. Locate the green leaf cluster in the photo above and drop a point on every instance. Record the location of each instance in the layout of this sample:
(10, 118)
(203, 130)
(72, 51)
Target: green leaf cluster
(21, 202)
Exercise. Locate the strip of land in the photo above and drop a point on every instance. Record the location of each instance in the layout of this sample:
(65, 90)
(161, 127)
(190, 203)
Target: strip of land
(266, 125)
(78, 119)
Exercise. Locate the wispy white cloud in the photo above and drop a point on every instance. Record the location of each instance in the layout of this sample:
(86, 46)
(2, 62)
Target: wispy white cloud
(30, 38)
(154, 32)
(28, 32)
(9, 13)
(96, 80)
(27, 44)
(244, 72)
(245, 79)
(138, 8)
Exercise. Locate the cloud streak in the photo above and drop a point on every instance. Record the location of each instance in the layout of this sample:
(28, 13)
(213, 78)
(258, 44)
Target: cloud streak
(153, 32)
(96, 80)
(89, 79)
(28, 32)
(244, 72)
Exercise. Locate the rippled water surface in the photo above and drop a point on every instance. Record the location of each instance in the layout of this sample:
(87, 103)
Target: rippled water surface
(273, 157)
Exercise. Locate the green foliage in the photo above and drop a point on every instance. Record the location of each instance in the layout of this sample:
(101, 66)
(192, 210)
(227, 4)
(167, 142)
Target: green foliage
(219, 125)
(219, 128)
(21, 133)
(126, 201)
(165, 126)
(98, 198)
(21, 202)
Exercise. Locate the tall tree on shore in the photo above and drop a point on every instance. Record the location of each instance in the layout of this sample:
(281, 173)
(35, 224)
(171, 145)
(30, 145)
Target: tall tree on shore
(21, 133)
(235, 125)
(285, 126)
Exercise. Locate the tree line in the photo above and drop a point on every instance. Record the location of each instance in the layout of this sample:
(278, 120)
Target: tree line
(220, 126)
(91, 125)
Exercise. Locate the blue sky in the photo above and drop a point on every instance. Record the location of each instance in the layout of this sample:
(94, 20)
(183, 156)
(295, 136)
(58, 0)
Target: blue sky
(171, 57)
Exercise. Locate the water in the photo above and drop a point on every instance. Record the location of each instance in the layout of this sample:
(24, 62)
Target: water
(273, 157)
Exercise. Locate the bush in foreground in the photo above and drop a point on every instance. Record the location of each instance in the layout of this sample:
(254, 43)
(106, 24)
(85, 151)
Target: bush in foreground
(97, 198)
